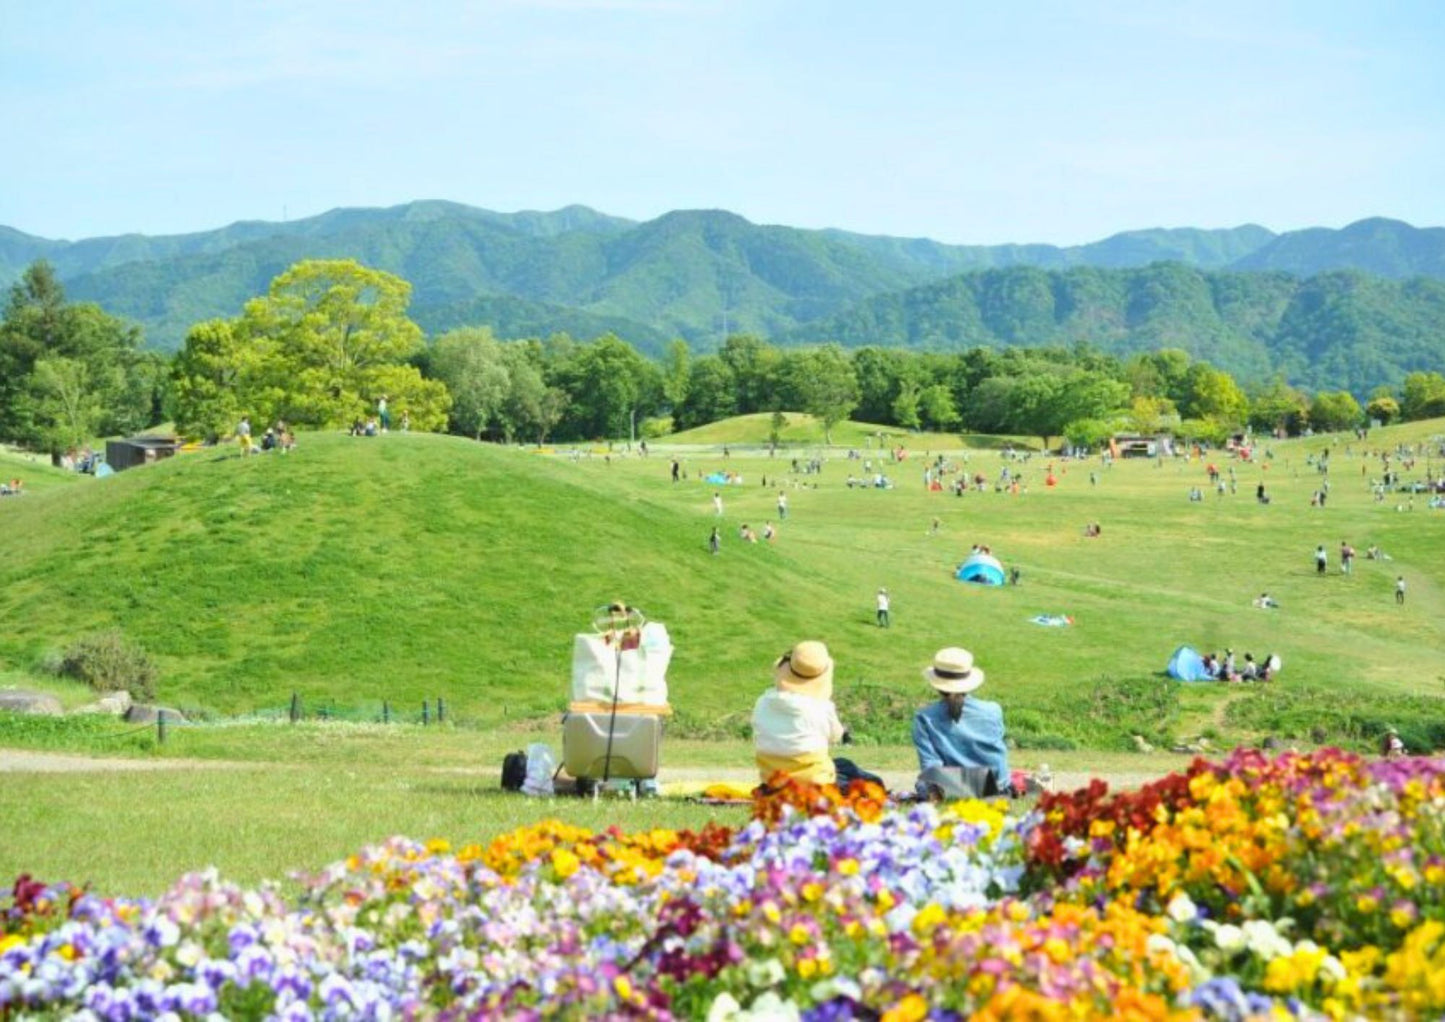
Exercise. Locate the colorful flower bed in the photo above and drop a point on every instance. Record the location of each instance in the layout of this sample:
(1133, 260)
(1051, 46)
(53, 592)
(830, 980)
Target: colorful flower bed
(1302, 886)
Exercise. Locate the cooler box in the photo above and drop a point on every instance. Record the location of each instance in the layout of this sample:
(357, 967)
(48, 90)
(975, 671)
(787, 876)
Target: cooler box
(636, 741)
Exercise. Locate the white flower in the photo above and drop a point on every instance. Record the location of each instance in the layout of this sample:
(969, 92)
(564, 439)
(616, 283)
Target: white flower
(1332, 969)
(724, 1008)
(1229, 937)
(1264, 940)
(1160, 944)
(765, 973)
(770, 1008)
(1181, 908)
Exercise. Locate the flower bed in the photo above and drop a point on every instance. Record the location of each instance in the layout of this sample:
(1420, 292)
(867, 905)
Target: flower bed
(1302, 886)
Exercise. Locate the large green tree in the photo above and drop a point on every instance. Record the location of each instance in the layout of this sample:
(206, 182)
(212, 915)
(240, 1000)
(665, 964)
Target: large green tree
(1335, 410)
(328, 326)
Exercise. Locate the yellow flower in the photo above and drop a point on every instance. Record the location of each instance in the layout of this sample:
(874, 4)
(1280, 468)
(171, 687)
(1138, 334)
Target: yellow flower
(564, 862)
(807, 967)
(10, 940)
(912, 1008)
(799, 934)
(848, 867)
(812, 891)
(438, 846)
(1367, 903)
(623, 986)
(928, 918)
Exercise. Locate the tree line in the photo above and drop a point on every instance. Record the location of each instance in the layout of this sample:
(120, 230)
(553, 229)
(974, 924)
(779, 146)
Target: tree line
(331, 337)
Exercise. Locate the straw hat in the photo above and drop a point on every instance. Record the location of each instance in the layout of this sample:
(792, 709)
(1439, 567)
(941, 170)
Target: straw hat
(806, 669)
(952, 671)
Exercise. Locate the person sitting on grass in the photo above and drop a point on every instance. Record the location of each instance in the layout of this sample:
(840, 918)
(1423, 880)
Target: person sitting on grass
(957, 730)
(795, 721)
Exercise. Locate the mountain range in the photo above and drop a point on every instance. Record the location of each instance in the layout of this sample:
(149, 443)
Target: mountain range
(701, 274)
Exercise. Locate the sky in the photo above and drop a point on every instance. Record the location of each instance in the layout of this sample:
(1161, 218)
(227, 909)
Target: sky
(967, 122)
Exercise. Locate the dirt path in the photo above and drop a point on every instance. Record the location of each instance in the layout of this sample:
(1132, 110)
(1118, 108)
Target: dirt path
(24, 761)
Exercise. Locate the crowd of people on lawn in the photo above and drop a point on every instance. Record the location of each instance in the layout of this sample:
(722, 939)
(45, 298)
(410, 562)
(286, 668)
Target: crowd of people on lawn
(1227, 668)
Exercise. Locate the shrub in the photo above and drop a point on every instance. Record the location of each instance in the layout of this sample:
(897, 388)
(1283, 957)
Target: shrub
(107, 662)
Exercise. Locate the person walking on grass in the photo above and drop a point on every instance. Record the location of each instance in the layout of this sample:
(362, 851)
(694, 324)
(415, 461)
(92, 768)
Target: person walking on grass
(782, 506)
(717, 504)
(1400, 590)
(883, 608)
(383, 414)
(1322, 560)
(714, 542)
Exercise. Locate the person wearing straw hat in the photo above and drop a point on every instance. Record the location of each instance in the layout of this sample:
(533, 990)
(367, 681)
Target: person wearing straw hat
(795, 721)
(959, 730)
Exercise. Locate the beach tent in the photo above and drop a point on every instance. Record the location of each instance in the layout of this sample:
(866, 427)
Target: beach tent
(1187, 665)
(981, 568)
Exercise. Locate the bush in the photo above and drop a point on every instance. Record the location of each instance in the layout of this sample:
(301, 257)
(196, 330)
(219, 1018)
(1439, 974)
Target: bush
(107, 662)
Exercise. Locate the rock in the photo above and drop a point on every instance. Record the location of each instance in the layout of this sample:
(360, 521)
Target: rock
(117, 704)
(41, 704)
(139, 714)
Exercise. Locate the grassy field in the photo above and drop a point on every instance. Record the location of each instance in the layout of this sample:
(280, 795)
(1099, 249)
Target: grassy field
(407, 567)
(804, 430)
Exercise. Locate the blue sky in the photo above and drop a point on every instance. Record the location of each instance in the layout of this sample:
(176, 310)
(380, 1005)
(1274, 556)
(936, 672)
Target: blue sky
(969, 122)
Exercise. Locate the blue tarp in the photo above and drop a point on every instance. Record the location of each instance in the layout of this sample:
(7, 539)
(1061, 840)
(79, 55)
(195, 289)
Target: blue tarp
(1187, 665)
(981, 568)
(718, 479)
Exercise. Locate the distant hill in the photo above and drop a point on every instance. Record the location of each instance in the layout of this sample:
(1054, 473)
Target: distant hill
(1389, 248)
(1341, 329)
(694, 274)
(700, 274)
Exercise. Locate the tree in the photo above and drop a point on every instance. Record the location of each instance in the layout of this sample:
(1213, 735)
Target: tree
(525, 406)
(905, 407)
(824, 381)
(469, 361)
(1211, 393)
(38, 324)
(755, 366)
(67, 406)
(937, 408)
(1151, 414)
(1383, 408)
(211, 379)
(1278, 406)
(1335, 411)
(1422, 396)
(711, 393)
(607, 382)
(329, 324)
(676, 373)
(425, 403)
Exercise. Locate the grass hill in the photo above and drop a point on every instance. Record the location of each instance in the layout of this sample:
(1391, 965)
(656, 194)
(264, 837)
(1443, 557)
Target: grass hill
(407, 567)
(1336, 330)
(801, 429)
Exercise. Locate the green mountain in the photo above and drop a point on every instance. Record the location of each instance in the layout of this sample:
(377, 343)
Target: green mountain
(1388, 248)
(1342, 329)
(694, 274)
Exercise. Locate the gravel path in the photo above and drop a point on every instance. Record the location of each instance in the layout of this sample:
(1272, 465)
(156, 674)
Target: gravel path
(24, 761)
(18, 761)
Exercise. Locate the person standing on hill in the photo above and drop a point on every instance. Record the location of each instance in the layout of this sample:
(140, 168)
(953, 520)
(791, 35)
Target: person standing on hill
(676, 470)
(243, 434)
(1347, 557)
(1400, 590)
(383, 414)
(883, 608)
(717, 504)
(714, 542)
(782, 506)
(1322, 560)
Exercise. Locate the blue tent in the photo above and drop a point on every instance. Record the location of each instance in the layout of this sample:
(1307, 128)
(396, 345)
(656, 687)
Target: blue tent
(981, 568)
(719, 479)
(1187, 665)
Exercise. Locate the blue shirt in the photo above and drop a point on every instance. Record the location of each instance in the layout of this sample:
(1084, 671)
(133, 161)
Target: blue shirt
(974, 740)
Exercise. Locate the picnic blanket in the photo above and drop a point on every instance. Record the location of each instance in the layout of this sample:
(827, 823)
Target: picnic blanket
(1052, 620)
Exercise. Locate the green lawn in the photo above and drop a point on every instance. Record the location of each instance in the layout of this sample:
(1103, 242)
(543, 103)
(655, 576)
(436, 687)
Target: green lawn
(403, 568)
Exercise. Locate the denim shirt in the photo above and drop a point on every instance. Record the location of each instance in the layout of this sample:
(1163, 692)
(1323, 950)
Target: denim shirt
(975, 739)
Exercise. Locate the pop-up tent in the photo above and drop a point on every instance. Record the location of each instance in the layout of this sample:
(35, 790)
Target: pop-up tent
(981, 568)
(1187, 665)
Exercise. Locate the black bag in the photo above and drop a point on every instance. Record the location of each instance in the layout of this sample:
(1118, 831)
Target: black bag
(514, 771)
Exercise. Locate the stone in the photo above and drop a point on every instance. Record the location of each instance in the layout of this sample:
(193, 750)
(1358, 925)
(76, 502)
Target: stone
(41, 704)
(139, 714)
(117, 704)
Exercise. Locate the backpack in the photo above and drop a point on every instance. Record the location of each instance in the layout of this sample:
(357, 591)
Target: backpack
(514, 771)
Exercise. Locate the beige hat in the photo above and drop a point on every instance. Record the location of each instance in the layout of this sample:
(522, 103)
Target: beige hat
(953, 672)
(806, 669)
